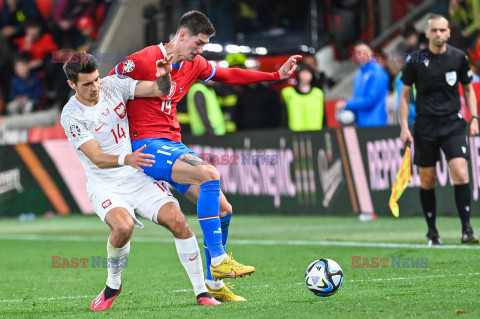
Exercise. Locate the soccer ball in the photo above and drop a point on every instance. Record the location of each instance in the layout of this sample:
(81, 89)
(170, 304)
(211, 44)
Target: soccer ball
(345, 117)
(324, 277)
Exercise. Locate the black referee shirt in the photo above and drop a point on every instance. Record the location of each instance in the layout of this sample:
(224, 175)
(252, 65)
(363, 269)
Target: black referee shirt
(436, 78)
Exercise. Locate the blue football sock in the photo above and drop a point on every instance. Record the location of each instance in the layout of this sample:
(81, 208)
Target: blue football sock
(208, 262)
(208, 208)
(225, 223)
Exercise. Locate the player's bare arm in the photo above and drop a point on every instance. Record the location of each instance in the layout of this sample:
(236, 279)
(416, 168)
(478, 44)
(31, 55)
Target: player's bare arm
(94, 152)
(405, 97)
(160, 87)
(471, 101)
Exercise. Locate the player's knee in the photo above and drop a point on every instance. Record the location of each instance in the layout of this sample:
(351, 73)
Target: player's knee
(180, 227)
(209, 173)
(123, 230)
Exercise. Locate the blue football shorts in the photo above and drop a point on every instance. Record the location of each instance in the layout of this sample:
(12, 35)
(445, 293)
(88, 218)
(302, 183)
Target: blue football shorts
(166, 153)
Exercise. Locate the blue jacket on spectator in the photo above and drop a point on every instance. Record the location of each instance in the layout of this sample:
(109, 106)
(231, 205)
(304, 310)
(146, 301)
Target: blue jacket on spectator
(370, 88)
(31, 87)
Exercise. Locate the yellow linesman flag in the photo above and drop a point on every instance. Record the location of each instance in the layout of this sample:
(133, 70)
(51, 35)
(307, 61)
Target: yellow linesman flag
(401, 183)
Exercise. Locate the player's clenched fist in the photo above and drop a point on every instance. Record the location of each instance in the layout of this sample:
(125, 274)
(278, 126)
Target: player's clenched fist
(138, 159)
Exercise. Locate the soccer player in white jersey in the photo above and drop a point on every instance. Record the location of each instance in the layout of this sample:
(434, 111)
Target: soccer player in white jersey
(96, 124)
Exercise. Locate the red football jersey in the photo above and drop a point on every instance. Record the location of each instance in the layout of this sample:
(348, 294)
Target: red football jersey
(156, 117)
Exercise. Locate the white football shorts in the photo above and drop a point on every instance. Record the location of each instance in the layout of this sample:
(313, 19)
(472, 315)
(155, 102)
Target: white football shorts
(139, 194)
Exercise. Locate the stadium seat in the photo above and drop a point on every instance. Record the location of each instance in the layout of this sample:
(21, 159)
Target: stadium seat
(39, 134)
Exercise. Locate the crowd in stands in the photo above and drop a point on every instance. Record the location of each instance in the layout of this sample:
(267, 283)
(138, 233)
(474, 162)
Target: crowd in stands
(36, 36)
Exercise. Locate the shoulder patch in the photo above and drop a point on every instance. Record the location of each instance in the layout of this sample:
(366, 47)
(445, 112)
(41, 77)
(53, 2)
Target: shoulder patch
(128, 66)
(75, 131)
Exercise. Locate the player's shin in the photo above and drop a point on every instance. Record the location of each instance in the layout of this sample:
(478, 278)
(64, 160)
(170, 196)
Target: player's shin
(208, 207)
(117, 260)
(189, 255)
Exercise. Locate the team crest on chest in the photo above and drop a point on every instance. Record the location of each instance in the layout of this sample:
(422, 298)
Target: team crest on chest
(451, 78)
(121, 110)
(172, 90)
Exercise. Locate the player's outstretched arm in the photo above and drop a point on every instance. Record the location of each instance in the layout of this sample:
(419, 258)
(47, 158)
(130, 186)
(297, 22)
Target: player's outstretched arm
(136, 159)
(241, 76)
(289, 67)
(160, 87)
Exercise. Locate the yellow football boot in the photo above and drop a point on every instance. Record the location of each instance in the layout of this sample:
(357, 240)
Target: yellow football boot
(225, 293)
(229, 268)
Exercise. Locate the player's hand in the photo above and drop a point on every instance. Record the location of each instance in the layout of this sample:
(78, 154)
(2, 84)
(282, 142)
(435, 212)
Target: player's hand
(164, 66)
(138, 159)
(474, 127)
(289, 67)
(406, 136)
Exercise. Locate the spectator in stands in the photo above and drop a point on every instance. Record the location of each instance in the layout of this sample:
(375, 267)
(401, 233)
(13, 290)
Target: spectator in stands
(6, 62)
(412, 39)
(69, 12)
(396, 65)
(88, 32)
(304, 103)
(465, 18)
(205, 113)
(370, 89)
(37, 44)
(258, 106)
(26, 89)
(14, 14)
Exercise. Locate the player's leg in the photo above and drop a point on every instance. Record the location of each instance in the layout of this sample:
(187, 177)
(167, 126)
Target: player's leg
(455, 148)
(217, 288)
(186, 243)
(121, 225)
(426, 156)
(189, 169)
(155, 202)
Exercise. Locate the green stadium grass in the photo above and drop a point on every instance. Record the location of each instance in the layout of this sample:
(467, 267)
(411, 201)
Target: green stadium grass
(155, 284)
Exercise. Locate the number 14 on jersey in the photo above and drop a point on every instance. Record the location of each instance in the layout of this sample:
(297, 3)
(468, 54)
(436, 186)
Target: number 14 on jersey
(119, 134)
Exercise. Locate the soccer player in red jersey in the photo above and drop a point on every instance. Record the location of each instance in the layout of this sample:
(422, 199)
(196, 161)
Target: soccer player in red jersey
(153, 122)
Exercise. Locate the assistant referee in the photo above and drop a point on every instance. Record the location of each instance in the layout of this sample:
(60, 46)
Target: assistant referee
(436, 72)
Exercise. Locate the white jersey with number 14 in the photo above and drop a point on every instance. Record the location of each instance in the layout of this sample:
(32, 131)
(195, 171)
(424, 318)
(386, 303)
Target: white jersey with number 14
(107, 123)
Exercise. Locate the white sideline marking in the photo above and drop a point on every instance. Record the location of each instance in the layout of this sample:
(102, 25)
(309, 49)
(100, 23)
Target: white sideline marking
(253, 287)
(240, 242)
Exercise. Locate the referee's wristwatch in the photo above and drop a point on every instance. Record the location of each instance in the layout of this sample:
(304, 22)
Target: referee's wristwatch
(475, 117)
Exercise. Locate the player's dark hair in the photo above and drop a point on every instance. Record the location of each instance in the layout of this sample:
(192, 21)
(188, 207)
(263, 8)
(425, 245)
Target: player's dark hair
(196, 22)
(81, 62)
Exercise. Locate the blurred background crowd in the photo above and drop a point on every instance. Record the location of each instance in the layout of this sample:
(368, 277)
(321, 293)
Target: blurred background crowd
(37, 36)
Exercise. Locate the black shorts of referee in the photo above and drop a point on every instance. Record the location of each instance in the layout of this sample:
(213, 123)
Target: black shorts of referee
(434, 133)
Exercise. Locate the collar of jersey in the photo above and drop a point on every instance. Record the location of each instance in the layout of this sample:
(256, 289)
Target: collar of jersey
(162, 48)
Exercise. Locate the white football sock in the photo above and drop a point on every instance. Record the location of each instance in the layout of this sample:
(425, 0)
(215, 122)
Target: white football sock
(218, 260)
(117, 260)
(190, 257)
(214, 284)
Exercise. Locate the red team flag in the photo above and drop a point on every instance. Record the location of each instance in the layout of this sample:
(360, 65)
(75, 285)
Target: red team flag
(401, 183)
